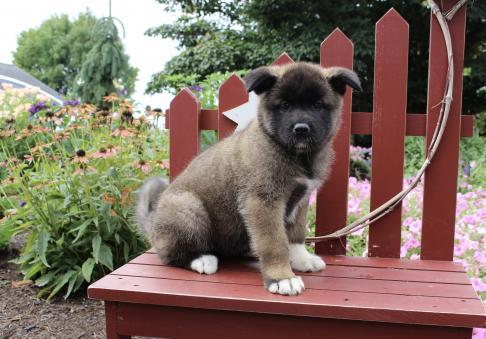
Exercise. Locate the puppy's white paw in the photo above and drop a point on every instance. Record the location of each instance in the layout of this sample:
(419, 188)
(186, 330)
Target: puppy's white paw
(291, 286)
(207, 264)
(303, 261)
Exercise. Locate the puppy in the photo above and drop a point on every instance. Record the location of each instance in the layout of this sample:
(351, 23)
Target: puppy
(248, 194)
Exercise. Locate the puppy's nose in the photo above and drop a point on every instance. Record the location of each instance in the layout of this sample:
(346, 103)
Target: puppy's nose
(301, 128)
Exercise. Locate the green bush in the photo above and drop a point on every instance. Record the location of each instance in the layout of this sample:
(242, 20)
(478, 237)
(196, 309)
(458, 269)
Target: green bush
(472, 158)
(74, 170)
(481, 123)
(8, 225)
(414, 155)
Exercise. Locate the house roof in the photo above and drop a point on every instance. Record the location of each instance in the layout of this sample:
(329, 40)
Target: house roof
(19, 78)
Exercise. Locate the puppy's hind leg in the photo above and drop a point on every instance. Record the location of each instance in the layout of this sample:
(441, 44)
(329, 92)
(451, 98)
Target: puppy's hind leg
(182, 233)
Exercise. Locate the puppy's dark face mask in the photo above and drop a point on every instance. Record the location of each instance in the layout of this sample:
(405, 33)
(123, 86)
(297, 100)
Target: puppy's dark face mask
(300, 104)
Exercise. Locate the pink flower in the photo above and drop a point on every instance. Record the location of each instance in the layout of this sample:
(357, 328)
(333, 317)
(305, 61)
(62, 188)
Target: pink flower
(478, 284)
(463, 262)
(480, 257)
(104, 153)
(460, 248)
(479, 333)
(410, 242)
(164, 164)
(353, 206)
(469, 219)
(415, 226)
(313, 198)
(143, 165)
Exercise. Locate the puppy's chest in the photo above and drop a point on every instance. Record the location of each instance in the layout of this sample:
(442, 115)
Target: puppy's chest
(300, 192)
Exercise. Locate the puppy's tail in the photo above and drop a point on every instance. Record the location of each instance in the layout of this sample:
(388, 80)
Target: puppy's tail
(148, 197)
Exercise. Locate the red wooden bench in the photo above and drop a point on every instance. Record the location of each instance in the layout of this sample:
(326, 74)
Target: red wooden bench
(380, 296)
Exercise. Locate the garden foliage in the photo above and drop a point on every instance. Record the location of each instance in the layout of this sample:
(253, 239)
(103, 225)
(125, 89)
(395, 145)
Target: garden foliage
(67, 182)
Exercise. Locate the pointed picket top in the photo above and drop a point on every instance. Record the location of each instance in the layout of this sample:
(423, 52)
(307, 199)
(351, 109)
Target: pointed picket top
(184, 131)
(185, 94)
(337, 39)
(283, 59)
(232, 93)
(392, 17)
(234, 83)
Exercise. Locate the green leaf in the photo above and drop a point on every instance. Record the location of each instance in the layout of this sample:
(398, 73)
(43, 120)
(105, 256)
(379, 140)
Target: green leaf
(96, 244)
(66, 202)
(42, 240)
(60, 282)
(126, 250)
(106, 257)
(87, 269)
(56, 196)
(33, 270)
(44, 279)
(79, 281)
(81, 229)
(60, 241)
(72, 281)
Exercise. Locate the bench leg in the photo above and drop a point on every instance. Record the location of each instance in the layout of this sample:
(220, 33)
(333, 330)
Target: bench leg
(110, 316)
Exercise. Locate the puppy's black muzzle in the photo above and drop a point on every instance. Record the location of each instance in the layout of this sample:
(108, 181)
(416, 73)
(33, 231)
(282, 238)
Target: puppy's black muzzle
(301, 129)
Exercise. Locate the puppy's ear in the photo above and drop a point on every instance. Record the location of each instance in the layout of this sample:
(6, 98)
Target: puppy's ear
(260, 80)
(339, 77)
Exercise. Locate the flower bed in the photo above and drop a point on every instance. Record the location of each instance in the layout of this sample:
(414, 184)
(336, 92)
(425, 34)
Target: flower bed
(67, 177)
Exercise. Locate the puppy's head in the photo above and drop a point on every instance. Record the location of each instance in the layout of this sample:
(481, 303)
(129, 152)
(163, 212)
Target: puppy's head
(300, 103)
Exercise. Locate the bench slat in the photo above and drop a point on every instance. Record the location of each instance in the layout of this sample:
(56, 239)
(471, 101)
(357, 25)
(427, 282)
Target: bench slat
(314, 303)
(336, 50)
(150, 257)
(355, 272)
(311, 282)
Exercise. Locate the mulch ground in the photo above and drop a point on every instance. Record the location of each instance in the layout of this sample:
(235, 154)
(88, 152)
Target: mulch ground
(23, 315)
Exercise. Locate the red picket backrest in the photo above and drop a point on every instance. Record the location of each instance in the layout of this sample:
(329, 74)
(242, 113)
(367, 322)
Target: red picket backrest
(388, 124)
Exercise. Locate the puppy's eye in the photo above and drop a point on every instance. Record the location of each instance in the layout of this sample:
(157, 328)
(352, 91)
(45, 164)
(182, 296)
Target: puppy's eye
(318, 105)
(284, 106)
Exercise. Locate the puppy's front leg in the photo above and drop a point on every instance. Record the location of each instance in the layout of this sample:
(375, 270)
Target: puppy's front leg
(300, 259)
(269, 241)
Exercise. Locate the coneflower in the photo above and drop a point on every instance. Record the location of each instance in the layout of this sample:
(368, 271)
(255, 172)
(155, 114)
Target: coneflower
(111, 98)
(122, 132)
(143, 165)
(104, 153)
(80, 157)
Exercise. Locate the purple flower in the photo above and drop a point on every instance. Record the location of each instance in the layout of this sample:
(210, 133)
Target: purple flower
(478, 284)
(39, 106)
(22, 203)
(196, 88)
(71, 103)
(479, 333)
(122, 92)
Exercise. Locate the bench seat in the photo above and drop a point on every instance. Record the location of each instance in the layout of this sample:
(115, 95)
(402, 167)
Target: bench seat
(359, 295)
